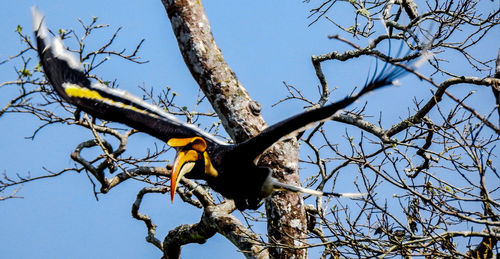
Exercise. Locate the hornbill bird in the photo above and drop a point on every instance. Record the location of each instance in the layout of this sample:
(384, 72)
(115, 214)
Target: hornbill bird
(230, 169)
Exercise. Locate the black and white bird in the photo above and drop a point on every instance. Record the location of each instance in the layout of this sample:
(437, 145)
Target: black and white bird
(230, 169)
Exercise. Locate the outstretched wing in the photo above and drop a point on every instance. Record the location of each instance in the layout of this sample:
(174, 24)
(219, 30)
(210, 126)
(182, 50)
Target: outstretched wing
(257, 145)
(65, 73)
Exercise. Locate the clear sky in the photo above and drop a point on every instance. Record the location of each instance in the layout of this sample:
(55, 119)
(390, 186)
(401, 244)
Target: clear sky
(265, 42)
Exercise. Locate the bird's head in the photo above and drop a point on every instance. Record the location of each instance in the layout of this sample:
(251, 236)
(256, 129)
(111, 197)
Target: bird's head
(190, 152)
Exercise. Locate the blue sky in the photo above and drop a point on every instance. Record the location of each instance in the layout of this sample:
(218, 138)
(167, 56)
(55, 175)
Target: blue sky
(265, 43)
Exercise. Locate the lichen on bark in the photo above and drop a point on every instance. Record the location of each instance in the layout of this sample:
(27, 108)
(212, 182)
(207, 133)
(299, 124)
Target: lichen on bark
(236, 110)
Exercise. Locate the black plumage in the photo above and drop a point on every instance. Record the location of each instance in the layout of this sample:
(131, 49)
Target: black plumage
(231, 170)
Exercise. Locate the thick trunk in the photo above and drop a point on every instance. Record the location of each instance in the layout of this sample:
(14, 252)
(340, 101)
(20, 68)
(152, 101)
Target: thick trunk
(241, 119)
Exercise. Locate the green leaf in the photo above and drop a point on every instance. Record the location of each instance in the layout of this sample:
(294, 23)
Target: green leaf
(184, 108)
(62, 32)
(38, 67)
(19, 28)
(25, 73)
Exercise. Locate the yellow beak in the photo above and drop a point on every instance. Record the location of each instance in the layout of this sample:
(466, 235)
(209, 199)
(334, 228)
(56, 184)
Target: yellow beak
(183, 164)
(186, 160)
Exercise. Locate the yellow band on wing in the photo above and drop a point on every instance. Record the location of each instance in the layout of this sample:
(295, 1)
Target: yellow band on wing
(77, 91)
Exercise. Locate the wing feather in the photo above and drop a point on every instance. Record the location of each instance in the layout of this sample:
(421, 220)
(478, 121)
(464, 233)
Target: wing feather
(287, 128)
(66, 74)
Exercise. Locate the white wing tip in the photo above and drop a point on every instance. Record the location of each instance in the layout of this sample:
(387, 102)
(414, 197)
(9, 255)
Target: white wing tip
(37, 17)
(58, 48)
(38, 23)
(61, 52)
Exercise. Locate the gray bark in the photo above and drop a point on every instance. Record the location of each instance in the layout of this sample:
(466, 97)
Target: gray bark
(241, 119)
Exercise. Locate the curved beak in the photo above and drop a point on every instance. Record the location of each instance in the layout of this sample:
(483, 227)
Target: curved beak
(183, 164)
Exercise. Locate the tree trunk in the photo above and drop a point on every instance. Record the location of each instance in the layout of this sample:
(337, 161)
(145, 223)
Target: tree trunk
(241, 118)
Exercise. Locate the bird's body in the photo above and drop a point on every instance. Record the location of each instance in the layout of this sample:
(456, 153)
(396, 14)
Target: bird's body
(230, 169)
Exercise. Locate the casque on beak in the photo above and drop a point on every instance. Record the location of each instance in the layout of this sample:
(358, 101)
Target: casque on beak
(189, 151)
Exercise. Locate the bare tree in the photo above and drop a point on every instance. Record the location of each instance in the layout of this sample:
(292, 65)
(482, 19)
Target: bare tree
(438, 161)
